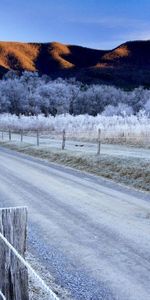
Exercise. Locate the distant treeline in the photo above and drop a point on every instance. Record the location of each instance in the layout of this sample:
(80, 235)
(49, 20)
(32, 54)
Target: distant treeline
(30, 94)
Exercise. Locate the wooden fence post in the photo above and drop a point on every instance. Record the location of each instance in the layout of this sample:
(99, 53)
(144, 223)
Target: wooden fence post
(21, 135)
(13, 275)
(63, 139)
(2, 135)
(9, 135)
(99, 142)
(38, 139)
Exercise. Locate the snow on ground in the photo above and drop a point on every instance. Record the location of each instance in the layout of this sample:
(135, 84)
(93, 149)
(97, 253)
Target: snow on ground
(127, 129)
(82, 147)
(121, 159)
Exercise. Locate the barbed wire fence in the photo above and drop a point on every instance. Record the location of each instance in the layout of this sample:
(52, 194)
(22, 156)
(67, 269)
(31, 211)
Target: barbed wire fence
(44, 136)
(2, 296)
(49, 293)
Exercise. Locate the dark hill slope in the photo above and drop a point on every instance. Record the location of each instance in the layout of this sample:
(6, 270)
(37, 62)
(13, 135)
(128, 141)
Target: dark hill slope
(128, 64)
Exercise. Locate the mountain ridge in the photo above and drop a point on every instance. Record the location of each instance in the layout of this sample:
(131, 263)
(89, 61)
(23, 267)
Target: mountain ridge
(86, 64)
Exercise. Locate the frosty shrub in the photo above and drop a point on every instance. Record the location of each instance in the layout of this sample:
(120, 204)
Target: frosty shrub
(85, 127)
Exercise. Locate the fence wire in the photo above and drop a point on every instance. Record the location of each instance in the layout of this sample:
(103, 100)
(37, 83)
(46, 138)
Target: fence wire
(30, 270)
(2, 296)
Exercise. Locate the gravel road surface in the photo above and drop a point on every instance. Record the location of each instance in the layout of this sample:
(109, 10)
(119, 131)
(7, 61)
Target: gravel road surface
(92, 234)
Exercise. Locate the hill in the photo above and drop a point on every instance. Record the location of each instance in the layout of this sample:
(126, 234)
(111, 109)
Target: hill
(126, 65)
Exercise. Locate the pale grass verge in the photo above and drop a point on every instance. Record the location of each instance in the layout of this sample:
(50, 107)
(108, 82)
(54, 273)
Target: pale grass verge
(132, 172)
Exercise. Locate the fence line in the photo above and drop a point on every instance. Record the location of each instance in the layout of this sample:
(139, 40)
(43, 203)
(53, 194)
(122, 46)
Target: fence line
(104, 132)
(100, 137)
(29, 268)
(2, 296)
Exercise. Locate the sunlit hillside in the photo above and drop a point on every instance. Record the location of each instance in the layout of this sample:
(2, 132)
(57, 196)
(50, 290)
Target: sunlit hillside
(127, 64)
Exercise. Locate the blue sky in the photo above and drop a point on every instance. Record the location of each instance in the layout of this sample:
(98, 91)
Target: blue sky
(101, 24)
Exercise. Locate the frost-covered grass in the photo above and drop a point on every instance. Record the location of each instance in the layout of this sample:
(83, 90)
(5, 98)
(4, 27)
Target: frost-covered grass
(131, 171)
(134, 129)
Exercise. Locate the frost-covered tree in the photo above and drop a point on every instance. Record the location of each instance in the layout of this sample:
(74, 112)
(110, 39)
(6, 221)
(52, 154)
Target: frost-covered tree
(30, 94)
(147, 107)
(120, 110)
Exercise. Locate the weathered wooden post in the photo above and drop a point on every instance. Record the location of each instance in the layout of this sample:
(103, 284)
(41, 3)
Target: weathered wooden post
(99, 142)
(21, 135)
(38, 139)
(63, 139)
(13, 274)
(2, 135)
(9, 135)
